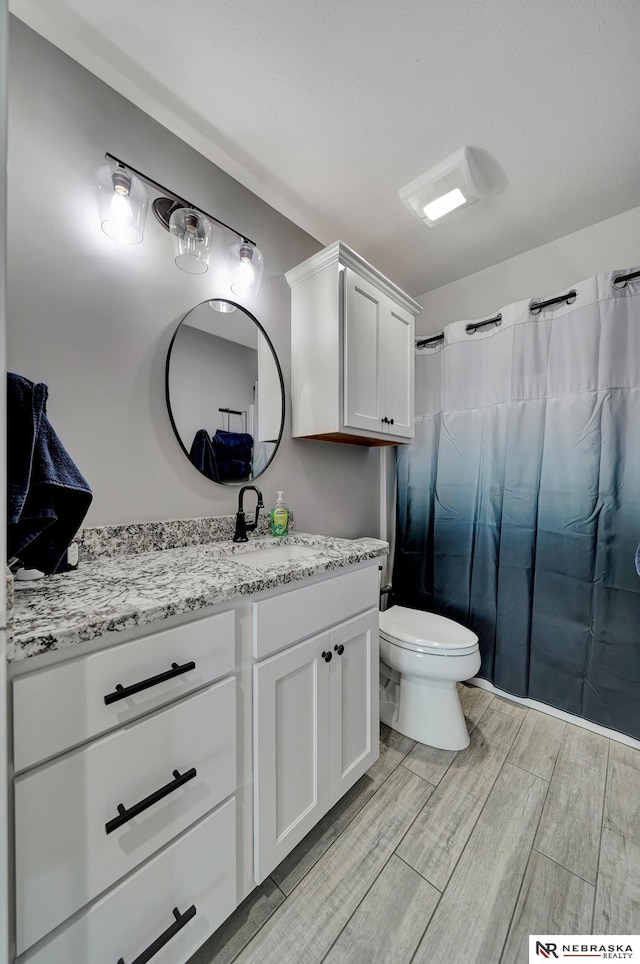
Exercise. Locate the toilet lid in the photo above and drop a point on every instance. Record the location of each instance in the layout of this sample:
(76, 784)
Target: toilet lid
(426, 632)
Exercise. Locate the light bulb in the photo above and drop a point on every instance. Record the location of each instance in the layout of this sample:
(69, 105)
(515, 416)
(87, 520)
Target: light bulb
(120, 210)
(445, 204)
(122, 203)
(247, 264)
(192, 234)
(245, 276)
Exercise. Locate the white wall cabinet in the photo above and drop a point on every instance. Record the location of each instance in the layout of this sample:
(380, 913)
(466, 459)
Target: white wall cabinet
(315, 732)
(352, 351)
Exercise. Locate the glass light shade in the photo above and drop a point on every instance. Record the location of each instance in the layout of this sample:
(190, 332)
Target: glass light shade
(192, 235)
(247, 264)
(225, 307)
(122, 203)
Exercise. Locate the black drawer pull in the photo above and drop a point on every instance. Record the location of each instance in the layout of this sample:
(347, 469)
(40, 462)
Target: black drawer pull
(125, 815)
(121, 692)
(165, 937)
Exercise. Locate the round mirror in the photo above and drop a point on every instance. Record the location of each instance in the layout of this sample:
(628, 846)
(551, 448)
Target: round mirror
(225, 392)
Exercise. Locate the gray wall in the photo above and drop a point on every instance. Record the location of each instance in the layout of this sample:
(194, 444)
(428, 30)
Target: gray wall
(93, 319)
(539, 273)
(207, 373)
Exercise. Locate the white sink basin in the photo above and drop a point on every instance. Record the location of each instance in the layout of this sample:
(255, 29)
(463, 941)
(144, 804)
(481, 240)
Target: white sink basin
(262, 558)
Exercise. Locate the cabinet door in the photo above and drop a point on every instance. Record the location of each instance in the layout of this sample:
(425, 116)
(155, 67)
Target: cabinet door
(363, 372)
(354, 701)
(397, 338)
(291, 749)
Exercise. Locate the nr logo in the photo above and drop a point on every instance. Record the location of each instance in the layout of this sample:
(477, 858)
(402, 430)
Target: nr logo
(546, 950)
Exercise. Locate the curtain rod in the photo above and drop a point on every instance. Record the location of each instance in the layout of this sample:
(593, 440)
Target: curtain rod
(620, 280)
(536, 306)
(433, 340)
(470, 328)
(182, 201)
(474, 326)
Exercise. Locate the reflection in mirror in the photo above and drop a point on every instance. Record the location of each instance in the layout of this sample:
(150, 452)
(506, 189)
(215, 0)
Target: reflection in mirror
(225, 392)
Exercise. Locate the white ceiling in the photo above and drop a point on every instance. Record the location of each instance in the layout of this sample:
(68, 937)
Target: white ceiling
(325, 108)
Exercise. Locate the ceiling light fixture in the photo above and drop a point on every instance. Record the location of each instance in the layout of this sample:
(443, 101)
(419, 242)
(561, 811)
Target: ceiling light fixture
(455, 183)
(445, 204)
(122, 203)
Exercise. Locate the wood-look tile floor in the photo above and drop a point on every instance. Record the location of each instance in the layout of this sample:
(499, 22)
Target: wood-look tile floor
(436, 856)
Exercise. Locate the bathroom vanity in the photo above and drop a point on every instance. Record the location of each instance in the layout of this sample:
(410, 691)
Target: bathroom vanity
(181, 719)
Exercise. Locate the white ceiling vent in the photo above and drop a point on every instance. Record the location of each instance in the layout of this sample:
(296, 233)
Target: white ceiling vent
(449, 186)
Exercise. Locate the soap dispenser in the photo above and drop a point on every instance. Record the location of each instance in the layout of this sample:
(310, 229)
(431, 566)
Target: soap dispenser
(280, 517)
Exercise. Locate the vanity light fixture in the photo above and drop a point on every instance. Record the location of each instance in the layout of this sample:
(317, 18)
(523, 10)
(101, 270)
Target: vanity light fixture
(453, 184)
(192, 234)
(246, 269)
(122, 203)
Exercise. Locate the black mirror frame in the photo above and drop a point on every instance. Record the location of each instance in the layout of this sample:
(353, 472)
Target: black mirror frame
(281, 379)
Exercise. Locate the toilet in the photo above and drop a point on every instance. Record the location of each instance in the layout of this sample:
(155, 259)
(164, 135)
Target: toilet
(422, 658)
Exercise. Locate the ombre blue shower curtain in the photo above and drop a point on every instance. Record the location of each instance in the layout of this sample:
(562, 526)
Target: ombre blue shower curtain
(519, 501)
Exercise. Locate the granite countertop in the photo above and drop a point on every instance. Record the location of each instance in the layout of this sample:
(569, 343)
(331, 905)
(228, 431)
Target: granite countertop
(118, 593)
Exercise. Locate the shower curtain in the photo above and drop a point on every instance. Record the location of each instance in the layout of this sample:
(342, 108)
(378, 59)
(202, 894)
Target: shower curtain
(518, 504)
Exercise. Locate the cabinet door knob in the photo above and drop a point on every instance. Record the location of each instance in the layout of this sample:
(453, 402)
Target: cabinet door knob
(327, 657)
(390, 420)
(384, 420)
(339, 649)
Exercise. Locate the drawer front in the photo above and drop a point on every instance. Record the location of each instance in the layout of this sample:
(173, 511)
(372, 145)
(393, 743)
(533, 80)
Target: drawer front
(71, 697)
(289, 617)
(64, 855)
(197, 870)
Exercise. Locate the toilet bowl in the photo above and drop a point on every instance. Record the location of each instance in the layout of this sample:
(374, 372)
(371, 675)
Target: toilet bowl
(422, 658)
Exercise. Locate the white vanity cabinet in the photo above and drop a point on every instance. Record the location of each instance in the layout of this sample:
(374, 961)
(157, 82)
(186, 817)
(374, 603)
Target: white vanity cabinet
(128, 760)
(315, 731)
(159, 775)
(352, 351)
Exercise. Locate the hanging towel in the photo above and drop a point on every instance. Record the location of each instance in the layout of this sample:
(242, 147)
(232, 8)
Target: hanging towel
(47, 497)
(203, 456)
(233, 454)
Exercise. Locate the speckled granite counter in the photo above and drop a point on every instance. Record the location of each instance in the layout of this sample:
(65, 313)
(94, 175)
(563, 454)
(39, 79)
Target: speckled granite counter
(114, 594)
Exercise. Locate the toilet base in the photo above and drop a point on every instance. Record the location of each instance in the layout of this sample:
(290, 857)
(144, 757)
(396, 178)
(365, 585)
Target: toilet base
(428, 711)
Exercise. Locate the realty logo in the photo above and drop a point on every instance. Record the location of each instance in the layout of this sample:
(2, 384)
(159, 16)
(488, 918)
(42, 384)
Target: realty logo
(580, 947)
(546, 950)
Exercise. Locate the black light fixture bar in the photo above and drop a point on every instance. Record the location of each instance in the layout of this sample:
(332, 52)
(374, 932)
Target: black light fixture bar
(176, 197)
(536, 306)
(479, 325)
(434, 340)
(620, 280)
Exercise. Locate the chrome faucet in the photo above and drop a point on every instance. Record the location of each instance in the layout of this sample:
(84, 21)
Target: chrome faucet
(242, 527)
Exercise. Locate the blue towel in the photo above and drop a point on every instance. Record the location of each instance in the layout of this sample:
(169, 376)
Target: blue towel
(203, 456)
(47, 497)
(233, 455)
